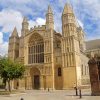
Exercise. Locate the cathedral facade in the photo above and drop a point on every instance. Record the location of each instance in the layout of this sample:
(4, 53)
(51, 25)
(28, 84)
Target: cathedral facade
(53, 60)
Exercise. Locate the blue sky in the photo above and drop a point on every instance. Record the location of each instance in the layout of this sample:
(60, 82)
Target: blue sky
(12, 11)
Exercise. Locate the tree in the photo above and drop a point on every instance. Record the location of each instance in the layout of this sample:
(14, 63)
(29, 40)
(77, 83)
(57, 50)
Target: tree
(10, 70)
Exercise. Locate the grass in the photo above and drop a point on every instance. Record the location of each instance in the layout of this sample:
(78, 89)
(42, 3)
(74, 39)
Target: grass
(3, 92)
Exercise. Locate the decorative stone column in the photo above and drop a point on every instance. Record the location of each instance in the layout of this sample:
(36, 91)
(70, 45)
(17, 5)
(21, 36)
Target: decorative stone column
(28, 83)
(41, 82)
(94, 77)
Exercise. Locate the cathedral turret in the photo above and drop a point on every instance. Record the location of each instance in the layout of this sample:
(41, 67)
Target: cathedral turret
(48, 40)
(25, 25)
(13, 51)
(70, 49)
(67, 9)
(49, 18)
(68, 21)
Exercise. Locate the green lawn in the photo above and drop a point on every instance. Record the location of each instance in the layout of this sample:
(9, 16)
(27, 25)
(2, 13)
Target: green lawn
(3, 92)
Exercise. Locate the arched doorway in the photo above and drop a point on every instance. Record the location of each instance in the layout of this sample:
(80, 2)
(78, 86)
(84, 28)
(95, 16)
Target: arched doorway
(35, 76)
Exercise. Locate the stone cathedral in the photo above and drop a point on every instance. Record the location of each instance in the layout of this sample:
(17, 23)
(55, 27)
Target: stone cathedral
(53, 60)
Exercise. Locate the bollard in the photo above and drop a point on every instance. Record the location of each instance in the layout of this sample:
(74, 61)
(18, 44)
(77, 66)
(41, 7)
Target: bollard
(76, 91)
(21, 99)
(80, 93)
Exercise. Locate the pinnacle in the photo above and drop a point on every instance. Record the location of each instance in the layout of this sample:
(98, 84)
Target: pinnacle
(67, 8)
(15, 33)
(49, 9)
(25, 19)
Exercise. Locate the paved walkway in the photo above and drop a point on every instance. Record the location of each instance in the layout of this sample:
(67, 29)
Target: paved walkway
(52, 95)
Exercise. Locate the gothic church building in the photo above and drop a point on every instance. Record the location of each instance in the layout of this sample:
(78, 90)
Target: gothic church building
(53, 60)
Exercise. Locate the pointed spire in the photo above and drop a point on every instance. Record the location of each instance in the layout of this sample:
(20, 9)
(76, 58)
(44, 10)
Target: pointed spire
(49, 18)
(25, 19)
(49, 10)
(25, 26)
(67, 8)
(15, 33)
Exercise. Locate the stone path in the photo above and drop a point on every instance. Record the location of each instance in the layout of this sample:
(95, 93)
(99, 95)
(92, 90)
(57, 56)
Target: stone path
(52, 95)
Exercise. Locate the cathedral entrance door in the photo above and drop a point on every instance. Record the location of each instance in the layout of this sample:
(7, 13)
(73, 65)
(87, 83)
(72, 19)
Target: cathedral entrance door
(35, 76)
(36, 81)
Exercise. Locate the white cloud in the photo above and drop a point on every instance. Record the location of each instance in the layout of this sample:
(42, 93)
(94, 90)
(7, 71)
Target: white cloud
(27, 7)
(19, 1)
(1, 37)
(91, 7)
(38, 21)
(15, 1)
(9, 19)
(4, 48)
(88, 12)
(3, 45)
(80, 23)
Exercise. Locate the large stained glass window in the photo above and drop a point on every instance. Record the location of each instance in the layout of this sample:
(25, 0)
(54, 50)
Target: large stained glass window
(36, 49)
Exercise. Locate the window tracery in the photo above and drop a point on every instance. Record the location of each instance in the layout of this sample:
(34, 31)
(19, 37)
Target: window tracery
(36, 49)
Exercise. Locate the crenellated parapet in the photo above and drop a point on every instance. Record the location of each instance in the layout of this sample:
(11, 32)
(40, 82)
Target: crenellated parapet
(39, 27)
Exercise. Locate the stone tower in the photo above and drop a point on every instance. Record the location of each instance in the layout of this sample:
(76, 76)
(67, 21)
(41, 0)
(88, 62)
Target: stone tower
(48, 47)
(49, 19)
(25, 25)
(70, 49)
(13, 51)
(24, 31)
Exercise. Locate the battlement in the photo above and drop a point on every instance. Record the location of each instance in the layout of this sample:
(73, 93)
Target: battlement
(39, 27)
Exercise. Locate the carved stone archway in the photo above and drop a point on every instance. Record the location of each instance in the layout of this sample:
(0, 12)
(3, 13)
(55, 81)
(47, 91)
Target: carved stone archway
(35, 77)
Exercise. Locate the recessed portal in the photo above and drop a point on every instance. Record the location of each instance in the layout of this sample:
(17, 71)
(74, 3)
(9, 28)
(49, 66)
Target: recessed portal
(35, 76)
(36, 81)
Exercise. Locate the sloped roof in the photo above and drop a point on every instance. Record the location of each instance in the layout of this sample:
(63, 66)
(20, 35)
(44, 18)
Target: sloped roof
(93, 44)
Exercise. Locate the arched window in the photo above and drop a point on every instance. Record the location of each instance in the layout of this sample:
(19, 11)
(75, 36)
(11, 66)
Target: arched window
(35, 49)
(59, 72)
